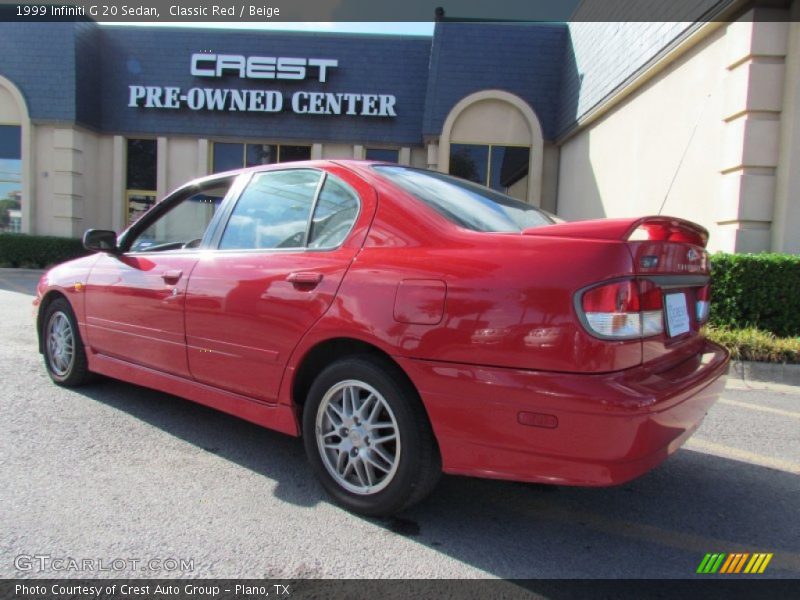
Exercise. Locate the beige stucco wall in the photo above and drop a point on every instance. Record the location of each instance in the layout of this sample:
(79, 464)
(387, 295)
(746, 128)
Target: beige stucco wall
(786, 227)
(491, 121)
(98, 209)
(624, 164)
(43, 185)
(712, 133)
(337, 151)
(182, 162)
(72, 180)
(419, 157)
(551, 154)
(10, 113)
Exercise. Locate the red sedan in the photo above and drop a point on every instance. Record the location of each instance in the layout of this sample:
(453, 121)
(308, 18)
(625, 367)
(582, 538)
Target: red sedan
(404, 323)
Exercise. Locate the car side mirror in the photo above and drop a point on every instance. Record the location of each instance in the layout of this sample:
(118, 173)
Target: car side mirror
(100, 240)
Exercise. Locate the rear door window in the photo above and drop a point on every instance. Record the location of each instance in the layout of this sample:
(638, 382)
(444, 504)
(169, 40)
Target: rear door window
(295, 208)
(465, 203)
(334, 214)
(273, 211)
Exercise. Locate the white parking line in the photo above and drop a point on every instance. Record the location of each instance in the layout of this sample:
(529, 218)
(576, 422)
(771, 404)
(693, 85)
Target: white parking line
(716, 449)
(738, 384)
(776, 411)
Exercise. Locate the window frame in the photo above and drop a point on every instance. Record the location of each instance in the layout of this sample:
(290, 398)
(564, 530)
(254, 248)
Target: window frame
(227, 209)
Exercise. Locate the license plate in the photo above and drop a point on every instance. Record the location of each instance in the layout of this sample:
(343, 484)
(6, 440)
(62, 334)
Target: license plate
(677, 314)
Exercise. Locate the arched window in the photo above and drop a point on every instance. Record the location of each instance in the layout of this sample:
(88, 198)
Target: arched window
(494, 138)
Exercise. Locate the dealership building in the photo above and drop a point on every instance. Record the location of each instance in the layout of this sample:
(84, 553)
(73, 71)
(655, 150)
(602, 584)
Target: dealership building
(586, 119)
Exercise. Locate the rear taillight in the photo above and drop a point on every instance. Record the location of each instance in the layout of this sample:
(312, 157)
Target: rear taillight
(652, 304)
(612, 310)
(702, 303)
(625, 309)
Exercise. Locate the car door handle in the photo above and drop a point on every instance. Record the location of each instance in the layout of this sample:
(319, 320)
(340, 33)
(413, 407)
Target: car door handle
(172, 277)
(304, 279)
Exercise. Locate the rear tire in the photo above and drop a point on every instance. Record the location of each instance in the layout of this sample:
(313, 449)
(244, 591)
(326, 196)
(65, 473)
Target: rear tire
(368, 438)
(64, 353)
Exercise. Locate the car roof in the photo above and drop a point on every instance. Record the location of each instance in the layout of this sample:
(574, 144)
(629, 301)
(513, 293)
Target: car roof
(349, 163)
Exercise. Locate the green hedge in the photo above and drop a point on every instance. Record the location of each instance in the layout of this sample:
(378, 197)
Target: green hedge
(756, 290)
(37, 251)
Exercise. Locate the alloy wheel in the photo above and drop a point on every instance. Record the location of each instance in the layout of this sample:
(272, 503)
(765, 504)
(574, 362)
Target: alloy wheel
(358, 437)
(60, 344)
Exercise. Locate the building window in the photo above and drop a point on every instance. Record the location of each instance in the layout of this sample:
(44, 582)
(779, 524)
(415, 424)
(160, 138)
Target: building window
(10, 178)
(501, 168)
(227, 156)
(141, 184)
(383, 154)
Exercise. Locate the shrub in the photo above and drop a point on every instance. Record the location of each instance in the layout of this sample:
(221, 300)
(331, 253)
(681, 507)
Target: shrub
(759, 291)
(37, 251)
(753, 344)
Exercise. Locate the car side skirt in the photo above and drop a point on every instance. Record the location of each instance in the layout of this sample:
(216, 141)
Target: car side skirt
(273, 416)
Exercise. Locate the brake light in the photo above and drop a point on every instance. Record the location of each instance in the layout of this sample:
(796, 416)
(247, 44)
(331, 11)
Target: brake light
(625, 309)
(703, 303)
(668, 230)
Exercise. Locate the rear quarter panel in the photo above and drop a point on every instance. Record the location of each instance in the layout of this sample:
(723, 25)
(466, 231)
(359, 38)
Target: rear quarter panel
(508, 297)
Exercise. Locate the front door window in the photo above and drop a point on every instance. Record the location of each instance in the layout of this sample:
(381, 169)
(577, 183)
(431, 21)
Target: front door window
(184, 225)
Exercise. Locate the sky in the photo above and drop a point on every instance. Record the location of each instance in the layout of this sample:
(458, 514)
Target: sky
(384, 28)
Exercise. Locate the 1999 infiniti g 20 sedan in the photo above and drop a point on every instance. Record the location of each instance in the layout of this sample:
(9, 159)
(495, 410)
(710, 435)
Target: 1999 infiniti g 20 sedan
(404, 323)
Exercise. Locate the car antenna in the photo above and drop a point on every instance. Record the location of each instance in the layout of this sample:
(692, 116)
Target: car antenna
(686, 149)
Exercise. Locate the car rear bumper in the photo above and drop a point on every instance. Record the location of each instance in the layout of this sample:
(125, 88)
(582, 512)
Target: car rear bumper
(565, 428)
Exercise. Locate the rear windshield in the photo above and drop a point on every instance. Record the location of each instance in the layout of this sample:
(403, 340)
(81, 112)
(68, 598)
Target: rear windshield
(466, 204)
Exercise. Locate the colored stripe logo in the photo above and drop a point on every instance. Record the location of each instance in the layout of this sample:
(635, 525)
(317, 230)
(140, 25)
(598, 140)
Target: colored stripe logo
(728, 564)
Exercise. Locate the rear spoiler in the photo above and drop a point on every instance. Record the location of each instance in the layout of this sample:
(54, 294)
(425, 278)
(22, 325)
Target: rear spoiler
(654, 228)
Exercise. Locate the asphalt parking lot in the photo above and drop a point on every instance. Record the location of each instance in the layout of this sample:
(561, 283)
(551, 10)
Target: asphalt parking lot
(117, 471)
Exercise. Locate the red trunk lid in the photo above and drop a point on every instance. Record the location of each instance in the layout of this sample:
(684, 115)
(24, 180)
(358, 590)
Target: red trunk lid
(666, 252)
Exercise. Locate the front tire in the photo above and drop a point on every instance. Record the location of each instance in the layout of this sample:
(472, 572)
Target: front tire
(64, 353)
(368, 438)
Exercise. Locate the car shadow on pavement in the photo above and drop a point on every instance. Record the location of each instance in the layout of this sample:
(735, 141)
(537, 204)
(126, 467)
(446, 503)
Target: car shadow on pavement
(279, 457)
(658, 526)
